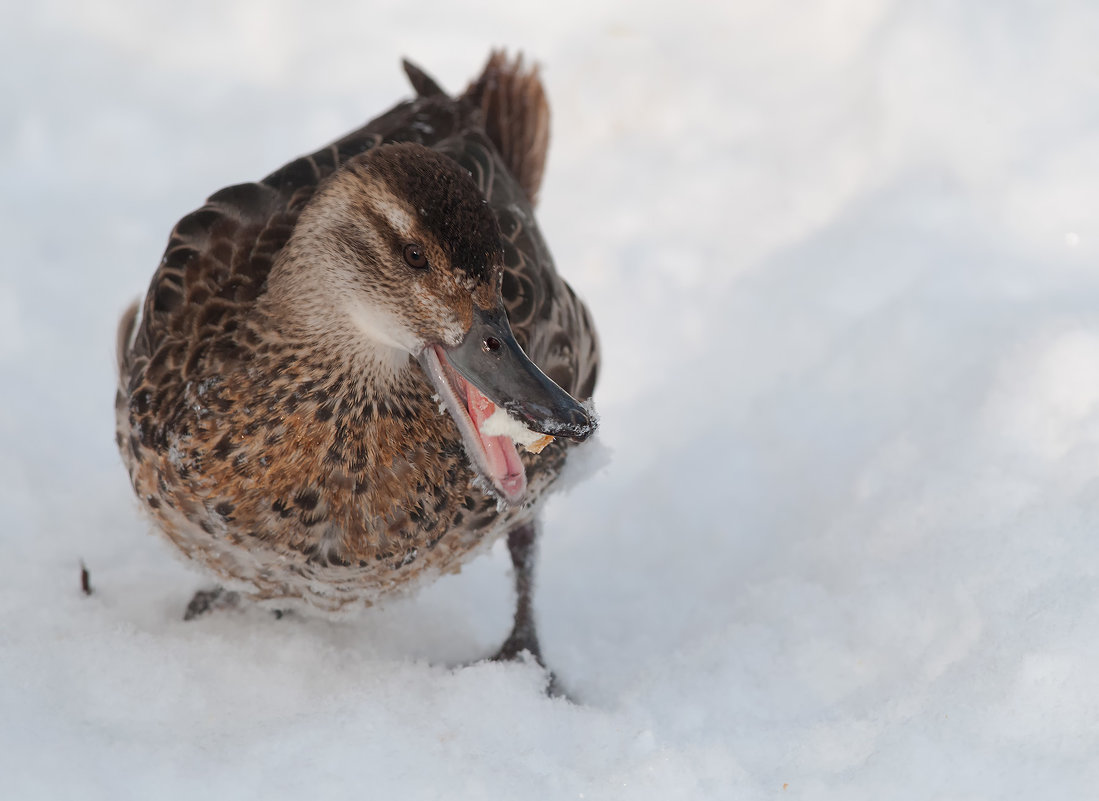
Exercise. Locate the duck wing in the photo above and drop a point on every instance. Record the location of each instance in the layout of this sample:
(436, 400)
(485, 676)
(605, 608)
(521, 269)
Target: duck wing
(506, 154)
(550, 323)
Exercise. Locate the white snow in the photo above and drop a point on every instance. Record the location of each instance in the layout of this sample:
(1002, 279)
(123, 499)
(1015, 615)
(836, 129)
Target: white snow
(844, 258)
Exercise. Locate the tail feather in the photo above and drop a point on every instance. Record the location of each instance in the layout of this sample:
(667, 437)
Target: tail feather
(516, 117)
(423, 83)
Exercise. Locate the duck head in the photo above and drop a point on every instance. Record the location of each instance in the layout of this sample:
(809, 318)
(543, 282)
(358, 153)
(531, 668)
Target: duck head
(397, 258)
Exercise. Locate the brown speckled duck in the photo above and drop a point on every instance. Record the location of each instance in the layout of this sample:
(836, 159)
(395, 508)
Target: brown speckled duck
(322, 396)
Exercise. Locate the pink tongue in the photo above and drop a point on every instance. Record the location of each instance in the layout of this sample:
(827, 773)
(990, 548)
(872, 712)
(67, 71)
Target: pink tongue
(503, 459)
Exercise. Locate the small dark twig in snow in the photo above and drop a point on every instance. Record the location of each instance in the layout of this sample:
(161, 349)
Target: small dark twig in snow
(85, 579)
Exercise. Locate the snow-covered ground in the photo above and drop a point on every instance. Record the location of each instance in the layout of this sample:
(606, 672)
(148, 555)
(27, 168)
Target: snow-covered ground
(844, 257)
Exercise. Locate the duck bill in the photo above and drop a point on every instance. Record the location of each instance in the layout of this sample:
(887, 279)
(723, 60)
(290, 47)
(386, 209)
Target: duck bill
(491, 360)
(488, 371)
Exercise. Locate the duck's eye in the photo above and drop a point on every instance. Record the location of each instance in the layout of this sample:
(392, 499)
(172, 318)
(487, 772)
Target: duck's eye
(414, 256)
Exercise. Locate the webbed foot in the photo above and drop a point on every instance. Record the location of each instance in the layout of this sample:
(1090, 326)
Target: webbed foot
(205, 601)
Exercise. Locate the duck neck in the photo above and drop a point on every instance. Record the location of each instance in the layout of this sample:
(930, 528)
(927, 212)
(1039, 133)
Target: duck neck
(312, 307)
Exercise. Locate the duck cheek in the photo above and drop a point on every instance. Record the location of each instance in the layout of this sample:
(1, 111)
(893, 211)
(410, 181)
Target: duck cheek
(443, 327)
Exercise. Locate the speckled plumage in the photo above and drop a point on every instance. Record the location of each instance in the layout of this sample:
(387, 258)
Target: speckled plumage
(270, 444)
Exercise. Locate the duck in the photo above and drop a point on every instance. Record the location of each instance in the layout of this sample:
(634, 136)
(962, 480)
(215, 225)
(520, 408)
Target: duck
(353, 376)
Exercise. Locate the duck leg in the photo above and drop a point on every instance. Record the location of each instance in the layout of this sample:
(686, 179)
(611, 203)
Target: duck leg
(524, 637)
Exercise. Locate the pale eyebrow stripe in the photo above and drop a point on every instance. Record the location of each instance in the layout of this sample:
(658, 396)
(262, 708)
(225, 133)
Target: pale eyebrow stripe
(399, 219)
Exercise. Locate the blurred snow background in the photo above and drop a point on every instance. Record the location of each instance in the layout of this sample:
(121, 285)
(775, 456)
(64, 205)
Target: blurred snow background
(844, 257)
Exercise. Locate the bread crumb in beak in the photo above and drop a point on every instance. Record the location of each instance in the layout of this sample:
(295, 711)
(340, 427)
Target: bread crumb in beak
(539, 444)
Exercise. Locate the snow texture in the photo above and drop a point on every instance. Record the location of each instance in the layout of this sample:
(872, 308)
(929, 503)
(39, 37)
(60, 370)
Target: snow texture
(844, 258)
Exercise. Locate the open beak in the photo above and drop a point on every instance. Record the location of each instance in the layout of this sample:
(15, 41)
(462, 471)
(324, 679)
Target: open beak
(486, 372)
